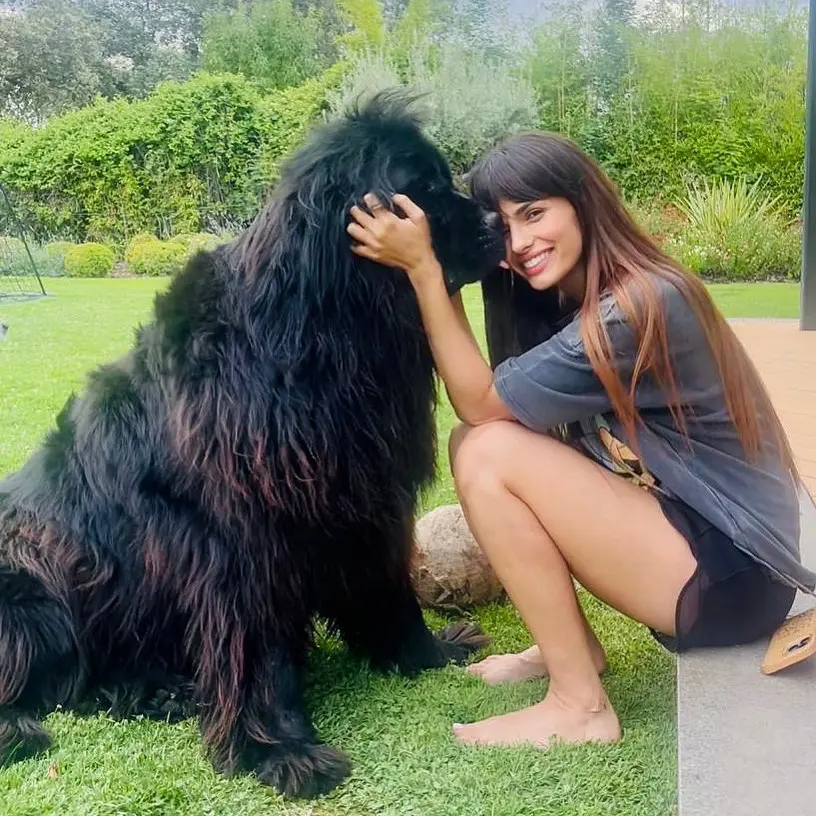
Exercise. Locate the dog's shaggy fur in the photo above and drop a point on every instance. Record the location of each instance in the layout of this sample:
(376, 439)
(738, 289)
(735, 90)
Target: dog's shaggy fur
(251, 464)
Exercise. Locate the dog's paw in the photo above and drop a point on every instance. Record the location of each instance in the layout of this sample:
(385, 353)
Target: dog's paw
(305, 771)
(21, 737)
(171, 704)
(168, 699)
(460, 640)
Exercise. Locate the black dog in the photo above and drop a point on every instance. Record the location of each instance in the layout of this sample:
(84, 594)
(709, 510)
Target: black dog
(251, 464)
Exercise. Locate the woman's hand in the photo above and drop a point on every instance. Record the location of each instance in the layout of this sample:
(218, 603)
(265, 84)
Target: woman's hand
(386, 238)
(405, 243)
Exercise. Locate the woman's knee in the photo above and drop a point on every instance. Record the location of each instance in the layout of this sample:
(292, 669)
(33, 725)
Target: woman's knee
(455, 439)
(480, 454)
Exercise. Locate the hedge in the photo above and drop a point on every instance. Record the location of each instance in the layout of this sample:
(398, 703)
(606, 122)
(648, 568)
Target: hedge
(194, 156)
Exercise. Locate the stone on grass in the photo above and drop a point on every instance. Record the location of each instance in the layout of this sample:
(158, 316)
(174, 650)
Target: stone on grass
(449, 570)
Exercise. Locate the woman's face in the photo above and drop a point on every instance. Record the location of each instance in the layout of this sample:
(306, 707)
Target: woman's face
(544, 243)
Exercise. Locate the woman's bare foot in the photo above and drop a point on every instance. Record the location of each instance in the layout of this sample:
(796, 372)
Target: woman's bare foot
(512, 668)
(551, 720)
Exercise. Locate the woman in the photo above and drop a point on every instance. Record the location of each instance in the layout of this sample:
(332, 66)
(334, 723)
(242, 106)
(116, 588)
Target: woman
(699, 541)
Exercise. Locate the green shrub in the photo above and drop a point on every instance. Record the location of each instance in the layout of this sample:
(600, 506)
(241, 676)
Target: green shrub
(286, 117)
(91, 260)
(136, 240)
(715, 206)
(55, 252)
(270, 42)
(719, 96)
(193, 154)
(736, 232)
(13, 257)
(141, 237)
(660, 220)
(154, 257)
(741, 254)
(195, 241)
(470, 102)
(48, 259)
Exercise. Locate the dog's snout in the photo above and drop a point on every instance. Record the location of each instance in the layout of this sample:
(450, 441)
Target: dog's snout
(493, 232)
(492, 221)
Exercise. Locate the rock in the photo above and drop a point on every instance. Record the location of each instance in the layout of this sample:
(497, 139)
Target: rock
(448, 569)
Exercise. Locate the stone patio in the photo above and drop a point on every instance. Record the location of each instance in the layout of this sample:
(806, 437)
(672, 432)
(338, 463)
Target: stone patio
(746, 741)
(786, 359)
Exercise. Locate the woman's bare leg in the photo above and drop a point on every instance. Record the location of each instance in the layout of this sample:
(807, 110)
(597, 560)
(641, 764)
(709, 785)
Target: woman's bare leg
(514, 667)
(549, 515)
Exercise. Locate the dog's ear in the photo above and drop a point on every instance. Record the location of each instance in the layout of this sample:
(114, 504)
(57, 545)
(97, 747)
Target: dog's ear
(501, 329)
(518, 317)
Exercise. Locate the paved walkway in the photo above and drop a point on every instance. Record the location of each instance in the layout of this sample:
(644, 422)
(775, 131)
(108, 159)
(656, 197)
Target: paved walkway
(786, 359)
(746, 741)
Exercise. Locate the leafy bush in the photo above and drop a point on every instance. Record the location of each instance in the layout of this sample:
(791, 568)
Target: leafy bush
(90, 260)
(269, 42)
(366, 19)
(713, 206)
(140, 237)
(55, 252)
(154, 257)
(736, 232)
(193, 242)
(659, 219)
(470, 102)
(720, 98)
(288, 114)
(14, 259)
(193, 156)
(48, 259)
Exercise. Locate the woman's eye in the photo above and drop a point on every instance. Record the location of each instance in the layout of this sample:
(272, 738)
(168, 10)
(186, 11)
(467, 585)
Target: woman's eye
(533, 214)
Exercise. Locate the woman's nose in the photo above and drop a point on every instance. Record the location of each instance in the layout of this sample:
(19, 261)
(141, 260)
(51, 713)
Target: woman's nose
(520, 240)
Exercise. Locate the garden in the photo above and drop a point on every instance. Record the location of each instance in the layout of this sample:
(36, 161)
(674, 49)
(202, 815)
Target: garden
(696, 111)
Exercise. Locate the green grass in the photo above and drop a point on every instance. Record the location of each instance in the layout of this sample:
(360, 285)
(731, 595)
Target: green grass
(397, 732)
(777, 300)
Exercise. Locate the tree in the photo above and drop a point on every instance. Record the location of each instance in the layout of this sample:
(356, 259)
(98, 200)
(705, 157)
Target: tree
(558, 69)
(486, 27)
(50, 61)
(612, 49)
(60, 54)
(269, 42)
(367, 22)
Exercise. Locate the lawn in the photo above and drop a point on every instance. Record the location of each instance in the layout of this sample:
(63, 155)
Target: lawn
(396, 731)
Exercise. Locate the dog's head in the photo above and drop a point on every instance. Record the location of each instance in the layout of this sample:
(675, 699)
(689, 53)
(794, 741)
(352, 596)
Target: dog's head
(378, 147)
(394, 156)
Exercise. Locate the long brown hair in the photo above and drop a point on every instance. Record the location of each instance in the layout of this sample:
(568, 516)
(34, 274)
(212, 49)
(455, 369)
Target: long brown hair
(622, 260)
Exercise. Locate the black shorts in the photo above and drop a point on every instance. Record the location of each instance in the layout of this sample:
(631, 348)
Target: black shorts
(731, 598)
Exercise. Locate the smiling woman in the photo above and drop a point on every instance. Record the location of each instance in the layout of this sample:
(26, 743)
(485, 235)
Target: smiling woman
(643, 407)
(544, 244)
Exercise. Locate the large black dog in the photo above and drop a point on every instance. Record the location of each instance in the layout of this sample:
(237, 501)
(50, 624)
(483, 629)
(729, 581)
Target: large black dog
(252, 464)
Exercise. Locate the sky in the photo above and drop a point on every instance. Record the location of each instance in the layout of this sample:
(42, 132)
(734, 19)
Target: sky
(528, 7)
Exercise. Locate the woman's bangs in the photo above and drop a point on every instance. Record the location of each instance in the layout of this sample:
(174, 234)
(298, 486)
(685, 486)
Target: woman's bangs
(512, 173)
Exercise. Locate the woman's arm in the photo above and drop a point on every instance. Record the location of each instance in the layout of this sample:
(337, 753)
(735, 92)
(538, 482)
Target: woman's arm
(406, 244)
(467, 376)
